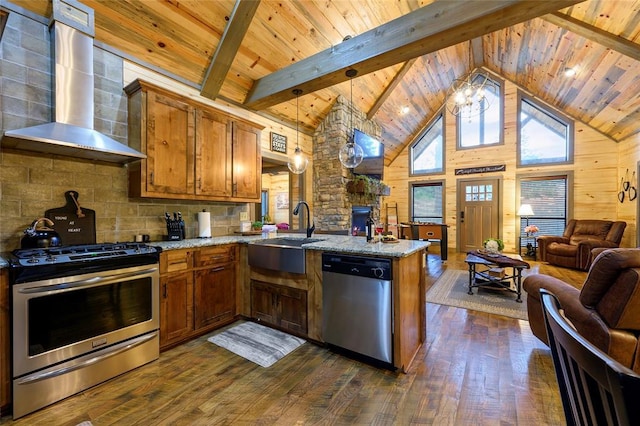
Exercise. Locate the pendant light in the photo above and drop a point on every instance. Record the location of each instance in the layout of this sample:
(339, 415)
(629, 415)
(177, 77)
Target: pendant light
(351, 153)
(298, 162)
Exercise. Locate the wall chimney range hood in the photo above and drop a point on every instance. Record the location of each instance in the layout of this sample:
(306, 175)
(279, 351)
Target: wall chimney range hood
(72, 134)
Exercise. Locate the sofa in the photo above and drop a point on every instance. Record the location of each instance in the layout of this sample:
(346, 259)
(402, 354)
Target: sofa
(573, 248)
(606, 310)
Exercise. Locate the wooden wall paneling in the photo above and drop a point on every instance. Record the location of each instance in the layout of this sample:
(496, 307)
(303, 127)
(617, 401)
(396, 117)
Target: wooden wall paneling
(596, 174)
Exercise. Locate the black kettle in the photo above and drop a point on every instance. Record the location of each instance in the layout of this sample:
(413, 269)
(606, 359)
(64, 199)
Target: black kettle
(39, 235)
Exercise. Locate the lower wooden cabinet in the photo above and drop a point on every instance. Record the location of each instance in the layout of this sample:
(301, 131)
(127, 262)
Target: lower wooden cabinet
(197, 292)
(176, 308)
(215, 296)
(281, 306)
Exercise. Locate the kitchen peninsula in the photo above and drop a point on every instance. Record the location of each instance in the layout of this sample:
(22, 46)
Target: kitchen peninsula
(408, 289)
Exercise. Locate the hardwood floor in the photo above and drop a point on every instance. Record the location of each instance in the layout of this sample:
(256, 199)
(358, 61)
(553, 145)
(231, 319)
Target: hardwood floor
(474, 369)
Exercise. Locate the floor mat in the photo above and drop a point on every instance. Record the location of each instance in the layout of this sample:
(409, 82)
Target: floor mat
(257, 343)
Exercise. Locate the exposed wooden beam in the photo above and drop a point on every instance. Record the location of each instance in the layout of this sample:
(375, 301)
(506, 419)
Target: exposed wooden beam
(477, 52)
(230, 41)
(428, 29)
(604, 38)
(397, 79)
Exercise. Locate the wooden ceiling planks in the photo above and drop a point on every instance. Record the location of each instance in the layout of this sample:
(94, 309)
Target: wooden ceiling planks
(532, 54)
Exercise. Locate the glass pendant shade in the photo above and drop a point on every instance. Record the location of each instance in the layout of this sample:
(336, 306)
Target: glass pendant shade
(351, 155)
(298, 162)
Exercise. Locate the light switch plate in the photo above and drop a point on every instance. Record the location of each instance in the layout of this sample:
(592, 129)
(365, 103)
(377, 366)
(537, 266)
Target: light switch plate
(244, 216)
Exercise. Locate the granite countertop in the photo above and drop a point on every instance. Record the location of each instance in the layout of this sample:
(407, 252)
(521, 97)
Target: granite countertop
(336, 243)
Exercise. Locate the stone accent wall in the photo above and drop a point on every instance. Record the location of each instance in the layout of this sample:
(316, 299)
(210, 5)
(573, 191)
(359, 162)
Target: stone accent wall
(331, 202)
(31, 183)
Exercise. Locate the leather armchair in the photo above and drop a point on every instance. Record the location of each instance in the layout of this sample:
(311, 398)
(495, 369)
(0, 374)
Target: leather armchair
(606, 310)
(573, 248)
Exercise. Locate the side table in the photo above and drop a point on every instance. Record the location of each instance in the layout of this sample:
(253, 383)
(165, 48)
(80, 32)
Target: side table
(531, 246)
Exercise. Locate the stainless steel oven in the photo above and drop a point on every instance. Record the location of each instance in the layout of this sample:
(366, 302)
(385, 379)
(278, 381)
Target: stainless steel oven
(80, 315)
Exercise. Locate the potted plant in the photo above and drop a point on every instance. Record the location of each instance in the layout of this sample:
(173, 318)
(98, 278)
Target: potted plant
(367, 187)
(256, 226)
(493, 245)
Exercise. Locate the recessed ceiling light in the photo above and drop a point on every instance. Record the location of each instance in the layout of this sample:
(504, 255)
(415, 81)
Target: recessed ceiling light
(569, 72)
(404, 110)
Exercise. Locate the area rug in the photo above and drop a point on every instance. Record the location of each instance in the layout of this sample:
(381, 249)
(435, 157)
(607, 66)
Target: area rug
(257, 343)
(452, 287)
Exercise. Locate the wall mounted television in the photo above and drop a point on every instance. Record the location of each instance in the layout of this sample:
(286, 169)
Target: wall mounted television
(373, 160)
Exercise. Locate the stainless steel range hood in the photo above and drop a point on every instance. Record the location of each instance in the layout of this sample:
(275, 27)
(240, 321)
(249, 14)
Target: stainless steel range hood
(72, 133)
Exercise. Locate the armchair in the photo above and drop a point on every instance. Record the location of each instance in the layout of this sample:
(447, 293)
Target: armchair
(607, 308)
(573, 248)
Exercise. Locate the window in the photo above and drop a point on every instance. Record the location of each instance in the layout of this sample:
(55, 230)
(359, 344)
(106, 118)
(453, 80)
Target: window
(427, 154)
(544, 137)
(549, 199)
(484, 128)
(427, 202)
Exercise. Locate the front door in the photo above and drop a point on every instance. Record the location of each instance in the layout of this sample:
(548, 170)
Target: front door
(478, 212)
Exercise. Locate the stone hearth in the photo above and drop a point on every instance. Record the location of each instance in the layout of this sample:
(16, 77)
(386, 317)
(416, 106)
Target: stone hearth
(332, 205)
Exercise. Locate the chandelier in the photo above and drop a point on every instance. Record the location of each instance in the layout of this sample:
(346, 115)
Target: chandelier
(467, 97)
(298, 162)
(351, 153)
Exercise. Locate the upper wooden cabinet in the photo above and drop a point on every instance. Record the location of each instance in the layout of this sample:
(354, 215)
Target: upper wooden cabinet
(193, 151)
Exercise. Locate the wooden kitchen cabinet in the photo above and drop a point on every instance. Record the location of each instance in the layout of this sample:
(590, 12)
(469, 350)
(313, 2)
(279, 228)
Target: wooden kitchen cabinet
(197, 291)
(193, 151)
(247, 161)
(176, 308)
(281, 306)
(176, 296)
(215, 286)
(213, 158)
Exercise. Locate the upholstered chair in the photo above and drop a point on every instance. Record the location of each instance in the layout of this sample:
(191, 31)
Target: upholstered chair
(573, 248)
(606, 310)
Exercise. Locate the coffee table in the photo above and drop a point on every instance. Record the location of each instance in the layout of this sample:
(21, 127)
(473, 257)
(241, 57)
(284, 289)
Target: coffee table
(480, 266)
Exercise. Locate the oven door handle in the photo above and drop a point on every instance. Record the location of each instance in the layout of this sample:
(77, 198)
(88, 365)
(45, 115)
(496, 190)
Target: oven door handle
(117, 349)
(83, 283)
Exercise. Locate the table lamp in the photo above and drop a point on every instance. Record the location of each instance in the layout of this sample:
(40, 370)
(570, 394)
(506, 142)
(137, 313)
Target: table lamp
(525, 210)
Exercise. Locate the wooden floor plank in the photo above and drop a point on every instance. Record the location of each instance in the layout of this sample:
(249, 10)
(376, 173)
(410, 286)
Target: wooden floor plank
(474, 368)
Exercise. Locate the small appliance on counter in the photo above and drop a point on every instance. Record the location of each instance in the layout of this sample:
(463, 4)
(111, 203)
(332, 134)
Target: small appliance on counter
(175, 226)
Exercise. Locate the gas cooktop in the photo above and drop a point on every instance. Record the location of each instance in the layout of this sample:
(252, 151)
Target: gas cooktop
(83, 253)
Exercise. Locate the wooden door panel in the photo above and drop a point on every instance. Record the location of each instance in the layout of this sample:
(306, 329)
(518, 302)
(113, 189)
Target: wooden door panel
(215, 296)
(263, 302)
(213, 154)
(247, 162)
(292, 309)
(170, 146)
(480, 216)
(176, 304)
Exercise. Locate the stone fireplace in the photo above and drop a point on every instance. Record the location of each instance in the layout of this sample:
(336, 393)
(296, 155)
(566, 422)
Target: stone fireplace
(331, 202)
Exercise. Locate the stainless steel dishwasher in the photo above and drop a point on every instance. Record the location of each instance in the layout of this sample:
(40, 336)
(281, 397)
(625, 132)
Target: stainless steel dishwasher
(357, 308)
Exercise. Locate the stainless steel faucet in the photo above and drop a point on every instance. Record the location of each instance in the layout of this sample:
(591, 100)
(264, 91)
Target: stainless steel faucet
(310, 228)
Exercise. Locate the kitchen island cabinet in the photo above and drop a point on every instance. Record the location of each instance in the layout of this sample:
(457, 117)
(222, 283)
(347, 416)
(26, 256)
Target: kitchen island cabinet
(194, 152)
(279, 305)
(197, 292)
(277, 298)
